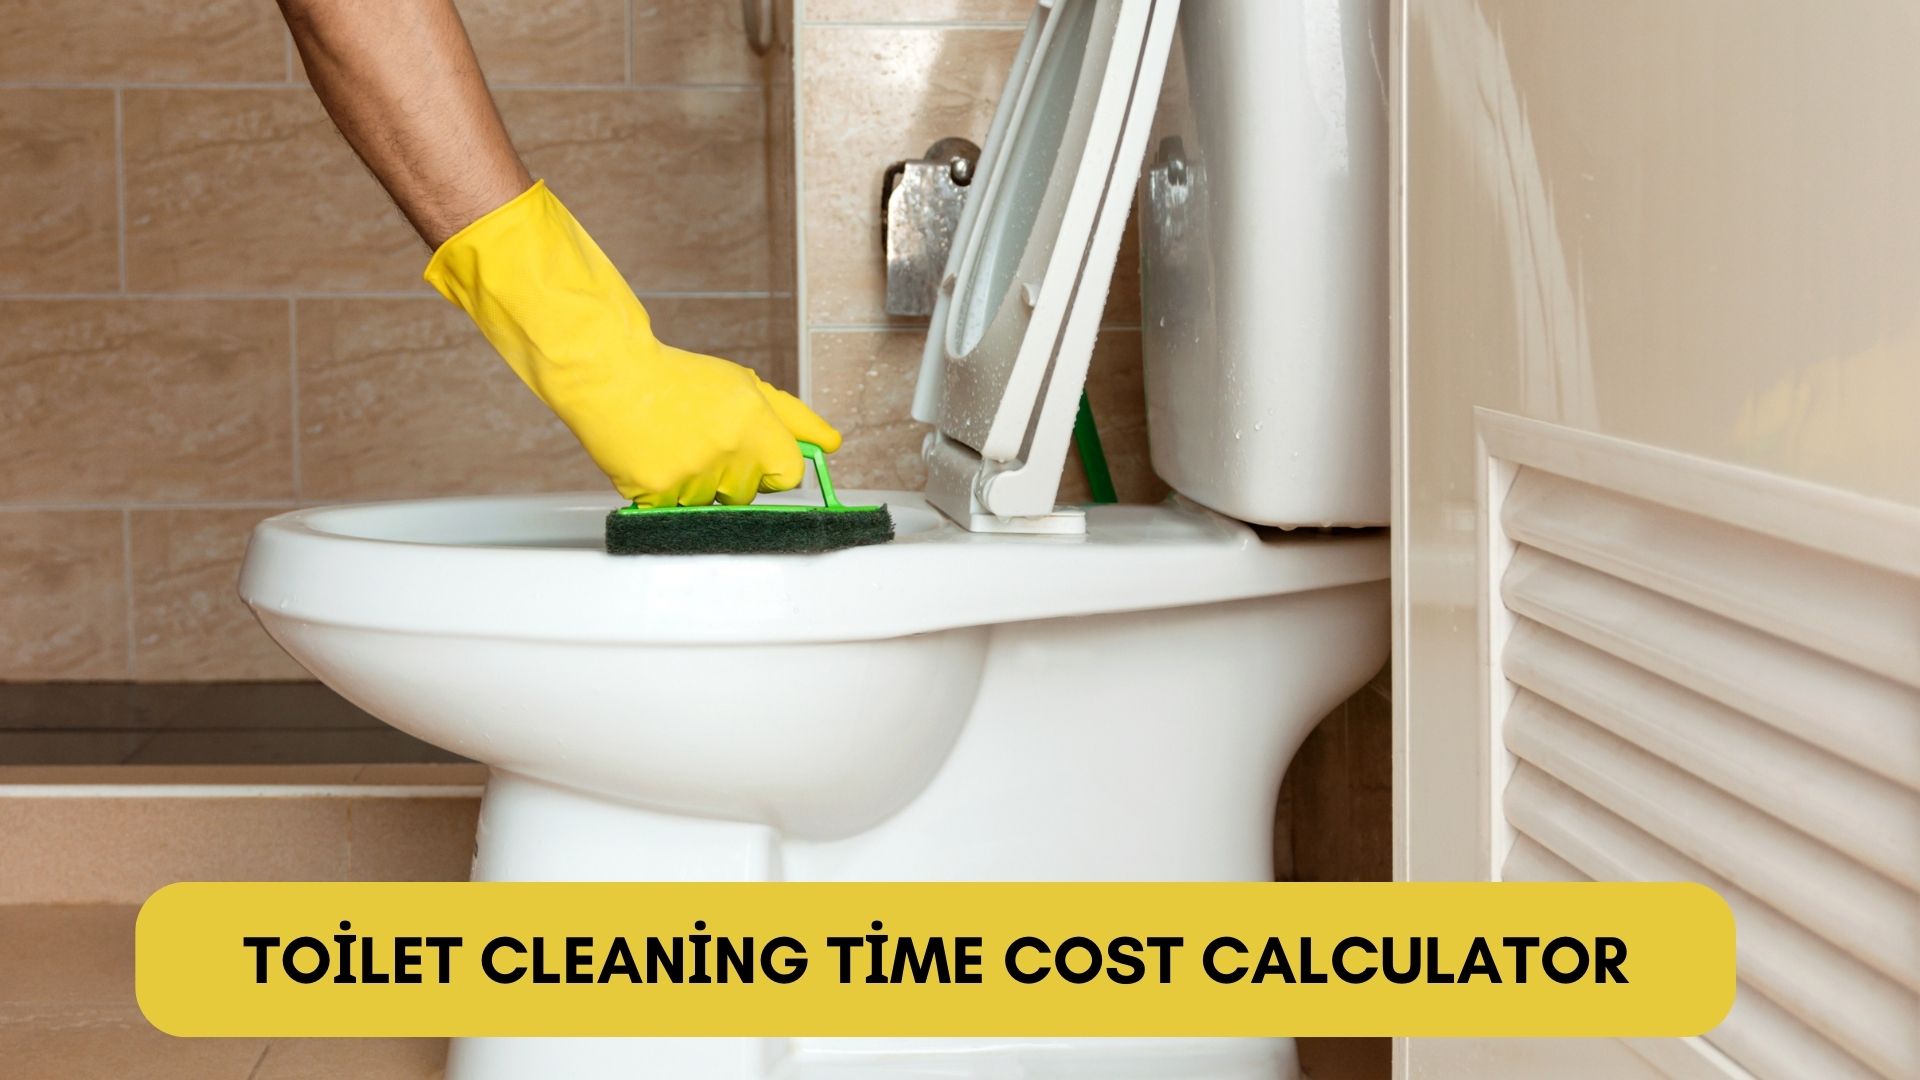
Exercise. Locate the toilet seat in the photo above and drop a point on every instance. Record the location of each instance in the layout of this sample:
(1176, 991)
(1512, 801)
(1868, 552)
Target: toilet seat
(1033, 255)
(533, 567)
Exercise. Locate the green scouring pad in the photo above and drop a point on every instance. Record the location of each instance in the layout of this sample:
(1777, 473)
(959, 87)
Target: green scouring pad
(753, 529)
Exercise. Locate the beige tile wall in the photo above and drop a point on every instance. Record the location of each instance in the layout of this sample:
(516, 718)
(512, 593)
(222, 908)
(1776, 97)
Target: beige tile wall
(209, 311)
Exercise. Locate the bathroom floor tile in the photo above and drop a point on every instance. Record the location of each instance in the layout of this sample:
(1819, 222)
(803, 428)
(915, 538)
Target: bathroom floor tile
(119, 849)
(358, 1059)
(67, 1009)
(412, 839)
(101, 1049)
(66, 961)
(67, 1012)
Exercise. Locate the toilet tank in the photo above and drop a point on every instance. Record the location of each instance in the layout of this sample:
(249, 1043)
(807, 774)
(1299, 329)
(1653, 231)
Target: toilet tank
(1263, 252)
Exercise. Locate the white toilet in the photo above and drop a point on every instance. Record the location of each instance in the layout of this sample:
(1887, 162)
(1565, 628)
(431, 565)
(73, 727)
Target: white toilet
(1010, 690)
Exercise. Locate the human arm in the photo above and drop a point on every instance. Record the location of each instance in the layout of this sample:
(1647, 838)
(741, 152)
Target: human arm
(667, 426)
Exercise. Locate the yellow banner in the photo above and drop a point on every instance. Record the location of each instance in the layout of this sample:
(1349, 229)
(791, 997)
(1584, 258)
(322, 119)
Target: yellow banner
(1062, 959)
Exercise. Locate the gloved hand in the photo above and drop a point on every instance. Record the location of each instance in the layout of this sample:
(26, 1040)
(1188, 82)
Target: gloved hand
(668, 427)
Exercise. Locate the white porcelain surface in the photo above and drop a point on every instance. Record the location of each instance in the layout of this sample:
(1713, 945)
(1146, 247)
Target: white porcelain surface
(949, 706)
(534, 567)
(1263, 262)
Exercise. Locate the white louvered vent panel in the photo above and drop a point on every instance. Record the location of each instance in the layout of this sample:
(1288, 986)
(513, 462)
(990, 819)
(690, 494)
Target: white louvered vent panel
(1831, 605)
(1847, 1001)
(1762, 1030)
(1697, 691)
(1840, 804)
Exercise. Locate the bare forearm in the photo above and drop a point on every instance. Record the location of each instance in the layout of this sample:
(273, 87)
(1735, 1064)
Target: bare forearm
(400, 80)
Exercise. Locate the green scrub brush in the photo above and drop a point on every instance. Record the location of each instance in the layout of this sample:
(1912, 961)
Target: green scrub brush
(752, 529)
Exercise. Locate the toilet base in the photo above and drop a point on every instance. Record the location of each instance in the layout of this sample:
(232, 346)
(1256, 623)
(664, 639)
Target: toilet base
(534, 831)
(875, 1059)
(531, 830)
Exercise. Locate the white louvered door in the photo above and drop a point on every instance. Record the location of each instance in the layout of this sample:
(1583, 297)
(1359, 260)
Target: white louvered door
(1705, 673)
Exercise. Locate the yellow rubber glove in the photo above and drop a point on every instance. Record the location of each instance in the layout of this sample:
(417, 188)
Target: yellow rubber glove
(668, 427)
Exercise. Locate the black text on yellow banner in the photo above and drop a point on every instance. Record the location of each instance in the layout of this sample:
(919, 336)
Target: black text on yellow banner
(760, 959)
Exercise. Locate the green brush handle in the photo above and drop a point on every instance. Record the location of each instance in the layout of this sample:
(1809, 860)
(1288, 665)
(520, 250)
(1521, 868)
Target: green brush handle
(813, 453)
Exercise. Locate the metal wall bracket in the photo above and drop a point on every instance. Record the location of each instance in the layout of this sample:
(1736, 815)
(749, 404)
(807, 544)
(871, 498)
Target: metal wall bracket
(920, 204)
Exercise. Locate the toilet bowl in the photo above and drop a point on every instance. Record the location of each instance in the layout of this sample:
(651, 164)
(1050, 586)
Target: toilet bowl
(950, 706)
(1012, 689)
(839, 716)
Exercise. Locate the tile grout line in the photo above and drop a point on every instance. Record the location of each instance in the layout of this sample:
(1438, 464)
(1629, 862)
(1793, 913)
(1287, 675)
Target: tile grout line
(627, 60)
(126, 581)
(120, 180)
(293, 389)
(261, 1060)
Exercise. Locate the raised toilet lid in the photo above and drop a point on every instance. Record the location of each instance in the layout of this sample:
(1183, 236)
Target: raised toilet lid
(533, 567)
(1033, 256)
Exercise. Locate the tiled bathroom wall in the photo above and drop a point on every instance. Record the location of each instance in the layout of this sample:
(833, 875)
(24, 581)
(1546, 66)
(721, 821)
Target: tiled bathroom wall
(210, 312)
